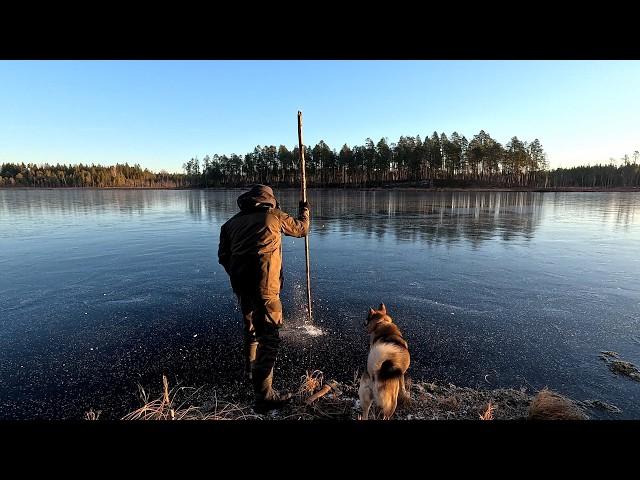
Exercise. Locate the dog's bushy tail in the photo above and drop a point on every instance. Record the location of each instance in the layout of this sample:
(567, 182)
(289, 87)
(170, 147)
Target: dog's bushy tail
(386, 395)
(389, 370)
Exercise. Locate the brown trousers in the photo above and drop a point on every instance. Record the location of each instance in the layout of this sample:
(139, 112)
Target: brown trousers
(262, 321)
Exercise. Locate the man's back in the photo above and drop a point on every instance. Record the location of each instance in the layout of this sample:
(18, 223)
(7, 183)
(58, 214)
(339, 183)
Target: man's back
(250, 242)
(259, 231)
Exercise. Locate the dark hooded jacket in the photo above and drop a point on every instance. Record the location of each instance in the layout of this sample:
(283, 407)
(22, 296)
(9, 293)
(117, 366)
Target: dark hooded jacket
(250, 247)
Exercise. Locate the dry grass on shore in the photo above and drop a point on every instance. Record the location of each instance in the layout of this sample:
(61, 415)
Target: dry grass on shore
(316, 399)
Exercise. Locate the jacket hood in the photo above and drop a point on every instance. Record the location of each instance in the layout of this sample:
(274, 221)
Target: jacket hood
(258, 196)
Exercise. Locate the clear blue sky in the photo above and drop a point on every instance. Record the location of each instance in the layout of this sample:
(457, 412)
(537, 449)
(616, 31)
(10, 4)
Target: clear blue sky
(161, 113)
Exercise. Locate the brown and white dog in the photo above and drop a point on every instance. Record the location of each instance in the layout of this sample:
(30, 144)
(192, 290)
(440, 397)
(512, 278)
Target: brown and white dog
(388, 360)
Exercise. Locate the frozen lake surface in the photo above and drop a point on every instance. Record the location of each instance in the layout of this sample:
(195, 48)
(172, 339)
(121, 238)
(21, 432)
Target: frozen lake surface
(103, 289)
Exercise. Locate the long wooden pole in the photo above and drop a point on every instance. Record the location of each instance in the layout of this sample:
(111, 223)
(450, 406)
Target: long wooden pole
(303, 194)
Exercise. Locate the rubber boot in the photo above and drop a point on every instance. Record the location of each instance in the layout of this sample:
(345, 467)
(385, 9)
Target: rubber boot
(267, 398)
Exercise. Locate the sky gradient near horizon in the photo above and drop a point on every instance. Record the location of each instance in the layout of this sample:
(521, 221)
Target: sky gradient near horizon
(161, 113)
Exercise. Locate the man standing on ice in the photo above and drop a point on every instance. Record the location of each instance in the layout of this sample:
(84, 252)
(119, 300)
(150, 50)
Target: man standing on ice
(250, 251)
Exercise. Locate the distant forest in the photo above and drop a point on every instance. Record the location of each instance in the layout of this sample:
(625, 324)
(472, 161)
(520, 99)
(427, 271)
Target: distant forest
(437, 160)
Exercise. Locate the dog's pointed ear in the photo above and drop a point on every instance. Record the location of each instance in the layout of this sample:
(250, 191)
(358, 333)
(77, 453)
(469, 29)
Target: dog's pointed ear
(371, 311)
(382, 308)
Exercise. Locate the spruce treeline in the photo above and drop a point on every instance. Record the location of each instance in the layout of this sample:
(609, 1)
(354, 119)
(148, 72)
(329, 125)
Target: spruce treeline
(438, 160)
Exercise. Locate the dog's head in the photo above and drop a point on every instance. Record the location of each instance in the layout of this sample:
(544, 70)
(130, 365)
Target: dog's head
(374, 317)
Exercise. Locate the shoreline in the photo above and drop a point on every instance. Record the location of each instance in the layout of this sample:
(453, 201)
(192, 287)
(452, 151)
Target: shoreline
(316, 399)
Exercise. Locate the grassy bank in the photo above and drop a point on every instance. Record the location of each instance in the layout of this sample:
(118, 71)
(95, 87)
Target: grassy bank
(319, 399)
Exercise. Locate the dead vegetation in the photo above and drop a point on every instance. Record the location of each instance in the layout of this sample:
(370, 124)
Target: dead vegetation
(625, 368)
(316, 399)
(310, 382)
(619, 366)
(431, 401)
(599, 405)
(167, 407)
(488, 413)
(548, 405)
(91, 415)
